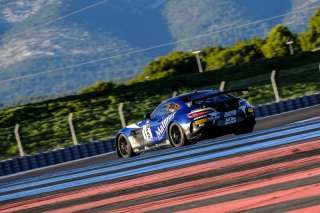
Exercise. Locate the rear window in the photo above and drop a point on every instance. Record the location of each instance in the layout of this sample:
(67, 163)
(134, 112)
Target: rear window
(211, 100)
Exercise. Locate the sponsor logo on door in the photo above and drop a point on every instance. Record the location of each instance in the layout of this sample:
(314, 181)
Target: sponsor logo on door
(164, 124)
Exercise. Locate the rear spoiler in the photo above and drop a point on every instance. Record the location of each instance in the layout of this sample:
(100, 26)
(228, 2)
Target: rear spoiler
(219, 93)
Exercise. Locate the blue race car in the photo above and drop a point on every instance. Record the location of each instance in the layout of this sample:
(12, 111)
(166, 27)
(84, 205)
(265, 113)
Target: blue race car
(185, 119)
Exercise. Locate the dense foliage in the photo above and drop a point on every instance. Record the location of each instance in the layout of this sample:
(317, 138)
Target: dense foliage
(311, 39)
(275, 44)
(176, 63)
(241, 52)
(100, 86)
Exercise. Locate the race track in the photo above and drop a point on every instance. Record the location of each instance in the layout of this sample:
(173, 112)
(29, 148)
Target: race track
(275, 168)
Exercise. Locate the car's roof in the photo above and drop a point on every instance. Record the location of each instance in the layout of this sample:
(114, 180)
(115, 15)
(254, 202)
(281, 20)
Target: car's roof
(187, 96)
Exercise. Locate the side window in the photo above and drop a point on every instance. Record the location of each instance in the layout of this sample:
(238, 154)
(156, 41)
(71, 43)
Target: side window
(161, 110)
(155, 112)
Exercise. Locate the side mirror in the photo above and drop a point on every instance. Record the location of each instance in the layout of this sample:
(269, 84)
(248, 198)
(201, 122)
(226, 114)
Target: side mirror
(147, 116)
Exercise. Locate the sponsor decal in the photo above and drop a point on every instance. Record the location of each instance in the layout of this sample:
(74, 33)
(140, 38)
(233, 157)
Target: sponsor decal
(163, 127)
(230, 113)
(201, 121)
(230, 120)
(176, 106)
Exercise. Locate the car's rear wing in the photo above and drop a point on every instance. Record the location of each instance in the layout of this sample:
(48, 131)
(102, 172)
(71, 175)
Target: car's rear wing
(217, 94)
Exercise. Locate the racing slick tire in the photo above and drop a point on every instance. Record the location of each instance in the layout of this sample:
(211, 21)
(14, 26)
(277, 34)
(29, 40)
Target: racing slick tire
(176, 135)
(244, 128)
(124, 148)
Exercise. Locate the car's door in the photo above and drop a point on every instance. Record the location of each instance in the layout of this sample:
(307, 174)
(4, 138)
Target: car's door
(159, 121)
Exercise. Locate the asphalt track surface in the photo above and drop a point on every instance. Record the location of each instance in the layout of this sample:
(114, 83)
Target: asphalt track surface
(276, 168)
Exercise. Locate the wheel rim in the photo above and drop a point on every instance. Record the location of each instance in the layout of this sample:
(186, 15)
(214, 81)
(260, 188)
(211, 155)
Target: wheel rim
(123, 146)
(176, 135)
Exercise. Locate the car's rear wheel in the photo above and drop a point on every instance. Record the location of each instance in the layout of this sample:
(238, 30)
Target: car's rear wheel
(244, 128)
(176, 135)
(124, 147)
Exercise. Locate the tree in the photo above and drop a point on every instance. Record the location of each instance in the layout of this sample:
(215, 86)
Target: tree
(305, 41)
(276, 42)
(176, 63)
(242, 52)
(311, 39)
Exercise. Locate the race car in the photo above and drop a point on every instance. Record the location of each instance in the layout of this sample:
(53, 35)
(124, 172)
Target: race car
(186, 119)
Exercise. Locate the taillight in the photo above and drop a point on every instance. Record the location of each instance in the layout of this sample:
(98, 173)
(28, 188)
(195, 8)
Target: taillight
(199, 113)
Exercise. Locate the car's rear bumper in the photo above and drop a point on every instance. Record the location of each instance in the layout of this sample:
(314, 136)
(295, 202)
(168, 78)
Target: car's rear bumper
(220, 124)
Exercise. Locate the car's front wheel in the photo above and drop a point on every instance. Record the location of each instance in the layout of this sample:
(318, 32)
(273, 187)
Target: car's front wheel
(124, 148)
(176, 135)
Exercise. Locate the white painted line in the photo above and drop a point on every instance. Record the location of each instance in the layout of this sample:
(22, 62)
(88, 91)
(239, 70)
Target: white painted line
(310, 119)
